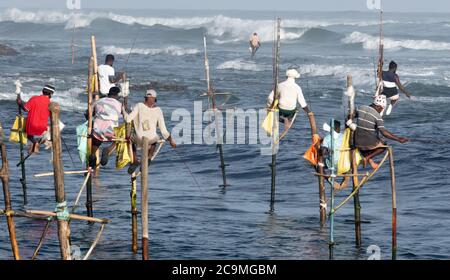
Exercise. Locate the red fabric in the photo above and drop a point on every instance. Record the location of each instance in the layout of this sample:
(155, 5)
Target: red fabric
(38, 115)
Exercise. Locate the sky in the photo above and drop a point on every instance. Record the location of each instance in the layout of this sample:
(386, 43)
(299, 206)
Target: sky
(276, 5)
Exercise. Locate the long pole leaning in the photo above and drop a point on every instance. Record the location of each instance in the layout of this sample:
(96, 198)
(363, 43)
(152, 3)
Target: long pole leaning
(144, 198)
(23, 179)
(356, 201)
(276, 70)
(63, 224)
(394, 205)
(212, 102)
(4, 175)
(91, 87)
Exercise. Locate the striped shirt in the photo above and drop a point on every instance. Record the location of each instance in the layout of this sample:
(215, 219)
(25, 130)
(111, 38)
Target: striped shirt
(369, 123)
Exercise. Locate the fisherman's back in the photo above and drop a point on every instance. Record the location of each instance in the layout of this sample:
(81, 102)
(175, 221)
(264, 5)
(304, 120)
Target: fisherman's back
(38, 114)
(290, 93)
(104, 73)
(146, 120)
(389, 84)
(369, 122)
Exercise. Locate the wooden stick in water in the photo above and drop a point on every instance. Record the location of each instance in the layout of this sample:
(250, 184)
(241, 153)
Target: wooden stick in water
(134, 215)
(91, 87)
(4, 175)
(63, 226)
(394, 205)
(65, 173)
(144, 198)
(356, 201)
(97, 239)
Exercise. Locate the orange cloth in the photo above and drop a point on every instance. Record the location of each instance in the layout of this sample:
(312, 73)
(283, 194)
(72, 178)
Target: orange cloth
(312, 154)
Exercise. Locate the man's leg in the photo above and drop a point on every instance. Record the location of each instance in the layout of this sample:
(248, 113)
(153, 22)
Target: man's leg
(95, 146)
(371, 154)
(151, 151)
(106, 153)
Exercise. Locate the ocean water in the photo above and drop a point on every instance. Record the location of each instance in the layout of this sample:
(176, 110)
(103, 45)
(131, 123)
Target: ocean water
(190, 221)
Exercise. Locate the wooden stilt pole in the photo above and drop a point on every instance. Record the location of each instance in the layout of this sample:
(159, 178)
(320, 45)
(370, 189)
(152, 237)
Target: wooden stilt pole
(144, 198)
(4, 175)
(356, 201)
(95, 89)
(91, 87)
(322, 195)
(134, 215)
(394, 205)
(23, 179)
(333, 173)
(63, 224)
(276, 70)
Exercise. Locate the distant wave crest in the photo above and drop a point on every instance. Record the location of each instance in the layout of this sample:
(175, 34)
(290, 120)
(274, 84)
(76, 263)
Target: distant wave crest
(171, 50)
(228, 29)
(372, 42)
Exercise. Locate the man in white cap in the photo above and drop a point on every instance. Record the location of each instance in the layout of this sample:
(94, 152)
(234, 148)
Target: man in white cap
(289, 94)
(147, 117)
(369, 125)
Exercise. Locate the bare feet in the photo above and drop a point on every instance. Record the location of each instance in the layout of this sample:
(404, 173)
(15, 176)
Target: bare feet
(373, 164)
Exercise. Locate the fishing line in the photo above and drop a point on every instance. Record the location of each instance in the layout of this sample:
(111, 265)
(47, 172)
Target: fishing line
(190, 172)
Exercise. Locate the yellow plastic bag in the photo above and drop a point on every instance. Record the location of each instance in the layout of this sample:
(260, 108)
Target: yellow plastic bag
(345, 160)
(15, 132)
(124, 153)
(267, 124)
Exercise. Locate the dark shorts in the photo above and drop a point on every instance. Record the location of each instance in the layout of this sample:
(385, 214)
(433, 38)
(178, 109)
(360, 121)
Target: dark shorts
(287, 114)
(96, 142)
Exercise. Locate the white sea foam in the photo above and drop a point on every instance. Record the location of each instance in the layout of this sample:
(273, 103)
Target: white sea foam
(171, 50)
(242, 65)
(372, 42)
(67, 99)
(218, 26)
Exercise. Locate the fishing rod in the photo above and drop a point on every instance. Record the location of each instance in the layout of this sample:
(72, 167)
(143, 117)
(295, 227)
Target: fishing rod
(212, 102)
(23, 179)
(381, 51)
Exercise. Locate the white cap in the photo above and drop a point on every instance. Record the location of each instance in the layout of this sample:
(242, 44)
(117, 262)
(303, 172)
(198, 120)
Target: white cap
(151, 93)
(292, 73)
(380, 100)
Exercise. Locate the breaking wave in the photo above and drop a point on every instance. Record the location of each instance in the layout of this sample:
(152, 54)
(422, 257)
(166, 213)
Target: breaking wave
(370, 42)
(228, 29)
(68, 99)
(171, 50)
(242, 65)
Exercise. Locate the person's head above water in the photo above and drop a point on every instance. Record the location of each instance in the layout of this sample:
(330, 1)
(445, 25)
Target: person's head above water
(48, 90)
(109, 60)
(114, 92)
(255, 34)
(379, 103)
(292, 73)
(393, 66)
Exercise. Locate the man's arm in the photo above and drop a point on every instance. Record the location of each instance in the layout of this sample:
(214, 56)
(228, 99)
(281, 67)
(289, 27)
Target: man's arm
(386, 133)
(131, 116)
(21, 103)
(116, 79)
(166, 134)
(401, 87)
(270, 100)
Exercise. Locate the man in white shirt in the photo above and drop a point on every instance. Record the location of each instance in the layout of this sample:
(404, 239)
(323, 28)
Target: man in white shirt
(107, 76)
(147, 117)
(289, 94)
